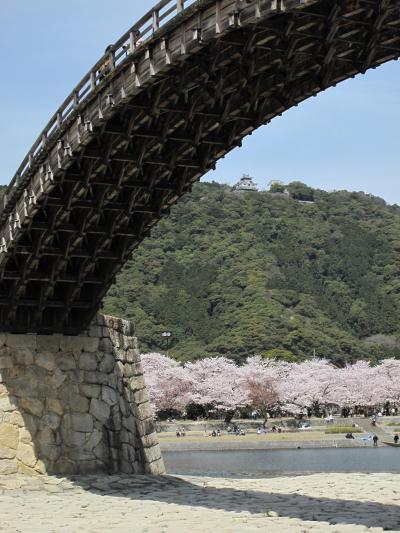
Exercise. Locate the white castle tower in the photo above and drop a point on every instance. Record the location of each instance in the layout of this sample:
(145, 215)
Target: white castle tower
(245, 183)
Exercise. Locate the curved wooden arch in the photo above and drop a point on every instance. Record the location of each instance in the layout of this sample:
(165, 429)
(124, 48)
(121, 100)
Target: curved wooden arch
(148, 120)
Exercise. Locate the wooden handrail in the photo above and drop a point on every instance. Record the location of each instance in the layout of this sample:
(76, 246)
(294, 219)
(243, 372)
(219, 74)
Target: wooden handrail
(151, 22)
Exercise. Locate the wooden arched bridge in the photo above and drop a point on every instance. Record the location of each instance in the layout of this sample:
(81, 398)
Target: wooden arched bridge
(176, 93)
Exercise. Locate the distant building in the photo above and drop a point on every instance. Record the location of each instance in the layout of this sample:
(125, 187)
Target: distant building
(245, 183)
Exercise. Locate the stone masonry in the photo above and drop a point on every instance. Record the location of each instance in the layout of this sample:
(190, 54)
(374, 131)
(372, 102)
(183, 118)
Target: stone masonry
(72, 405)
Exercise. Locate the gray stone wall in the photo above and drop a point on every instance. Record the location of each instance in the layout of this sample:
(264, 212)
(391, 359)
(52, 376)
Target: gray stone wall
(73, 405)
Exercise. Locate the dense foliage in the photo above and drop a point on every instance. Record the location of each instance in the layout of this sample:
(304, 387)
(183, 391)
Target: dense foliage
(237, 274)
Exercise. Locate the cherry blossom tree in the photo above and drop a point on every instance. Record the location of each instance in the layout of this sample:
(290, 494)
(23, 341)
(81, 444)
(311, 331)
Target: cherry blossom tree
(260, 384)
(168, 383)
(387, 381)
(308, 385)
(216, 382)
(356, 384)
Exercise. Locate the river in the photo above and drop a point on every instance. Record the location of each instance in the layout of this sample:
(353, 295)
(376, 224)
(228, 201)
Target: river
(272, 462)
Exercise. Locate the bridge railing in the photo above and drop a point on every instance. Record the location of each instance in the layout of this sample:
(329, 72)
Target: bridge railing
(116, 54)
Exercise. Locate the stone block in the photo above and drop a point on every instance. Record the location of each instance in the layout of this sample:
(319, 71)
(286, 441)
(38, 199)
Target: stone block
(132, 356)
(65, 361)
(114, 423)
(100, 410)
(140, 396)
(3, 391)
(26, 455)
(144, 412)
(25, 436)
(45, 436)
(95, 332)
(132, 369)
(91, 344)
(52, 382)
(82, 423)
(7, 453)
(66, 467)
(9, 436)
(32, 406)
(31, 423)
(79, 404)
(6, 362)
(22, 341)
(50, 420)
(17, 419)
(152, 454)
(157, 467)
(24, 381)
(45, 360)
(8, 403)
(124, 407)
(96, 378)
(55, 406)
(90, 390)
(88, 361)
(101, 452)
(71, 344)
(136, 383)
(148, 441)
(107, 364)
(49, 452)
(40, 467)
(49, 343)
(99, 319)
(109, 395)
(129, 423)
(126, 436)
(70, 437)
(105, 345)
(72, 400)
(120, 355)
(94, 440)
(145, 427)
(8, 466)
(24, 356)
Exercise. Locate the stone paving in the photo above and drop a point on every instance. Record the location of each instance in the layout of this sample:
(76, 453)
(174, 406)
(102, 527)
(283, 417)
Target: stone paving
(147, 504)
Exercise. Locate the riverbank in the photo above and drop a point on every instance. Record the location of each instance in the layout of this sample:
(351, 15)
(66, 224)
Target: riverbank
(314, 503)
(218, 444)
(252, 441)
(198, 436)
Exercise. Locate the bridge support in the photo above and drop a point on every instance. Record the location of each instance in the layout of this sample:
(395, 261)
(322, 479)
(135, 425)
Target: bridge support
(75, 405)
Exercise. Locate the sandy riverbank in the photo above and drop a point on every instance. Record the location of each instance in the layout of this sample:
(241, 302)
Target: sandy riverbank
(306, 503)
(251, 441)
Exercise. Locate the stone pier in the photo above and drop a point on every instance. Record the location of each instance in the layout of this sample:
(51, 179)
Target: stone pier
(72, 405)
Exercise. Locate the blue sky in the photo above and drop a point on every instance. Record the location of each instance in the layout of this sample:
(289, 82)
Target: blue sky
(346, 138)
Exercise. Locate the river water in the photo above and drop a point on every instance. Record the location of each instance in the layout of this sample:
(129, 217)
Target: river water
(271, 462)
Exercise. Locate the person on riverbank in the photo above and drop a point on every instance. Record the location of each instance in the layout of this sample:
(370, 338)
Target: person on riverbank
(396, 439)
(375, 439)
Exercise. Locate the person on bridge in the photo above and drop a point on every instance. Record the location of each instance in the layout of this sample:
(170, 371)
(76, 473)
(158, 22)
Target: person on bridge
(137, 38)
(104, 68)
(375, 438)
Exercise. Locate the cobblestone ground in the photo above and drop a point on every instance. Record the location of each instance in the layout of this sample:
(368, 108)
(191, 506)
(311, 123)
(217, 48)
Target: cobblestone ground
(143, 504)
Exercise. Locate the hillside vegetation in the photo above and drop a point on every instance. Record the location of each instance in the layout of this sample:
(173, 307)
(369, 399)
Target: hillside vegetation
(237, 274)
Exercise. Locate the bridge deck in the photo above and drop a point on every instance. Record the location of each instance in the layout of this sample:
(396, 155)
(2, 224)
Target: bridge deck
(149, 119)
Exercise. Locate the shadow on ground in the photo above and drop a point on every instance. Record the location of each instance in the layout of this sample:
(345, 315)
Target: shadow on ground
(172, 490)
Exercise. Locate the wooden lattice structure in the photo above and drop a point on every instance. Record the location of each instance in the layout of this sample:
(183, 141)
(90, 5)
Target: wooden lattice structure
(171, 97)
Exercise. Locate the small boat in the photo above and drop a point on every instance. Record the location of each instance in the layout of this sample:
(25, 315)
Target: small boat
(391, 444)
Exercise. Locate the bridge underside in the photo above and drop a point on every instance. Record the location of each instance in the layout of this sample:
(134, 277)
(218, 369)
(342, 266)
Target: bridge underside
(131, 163)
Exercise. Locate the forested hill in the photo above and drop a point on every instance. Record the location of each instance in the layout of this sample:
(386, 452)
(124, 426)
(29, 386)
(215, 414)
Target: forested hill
(242, 273)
